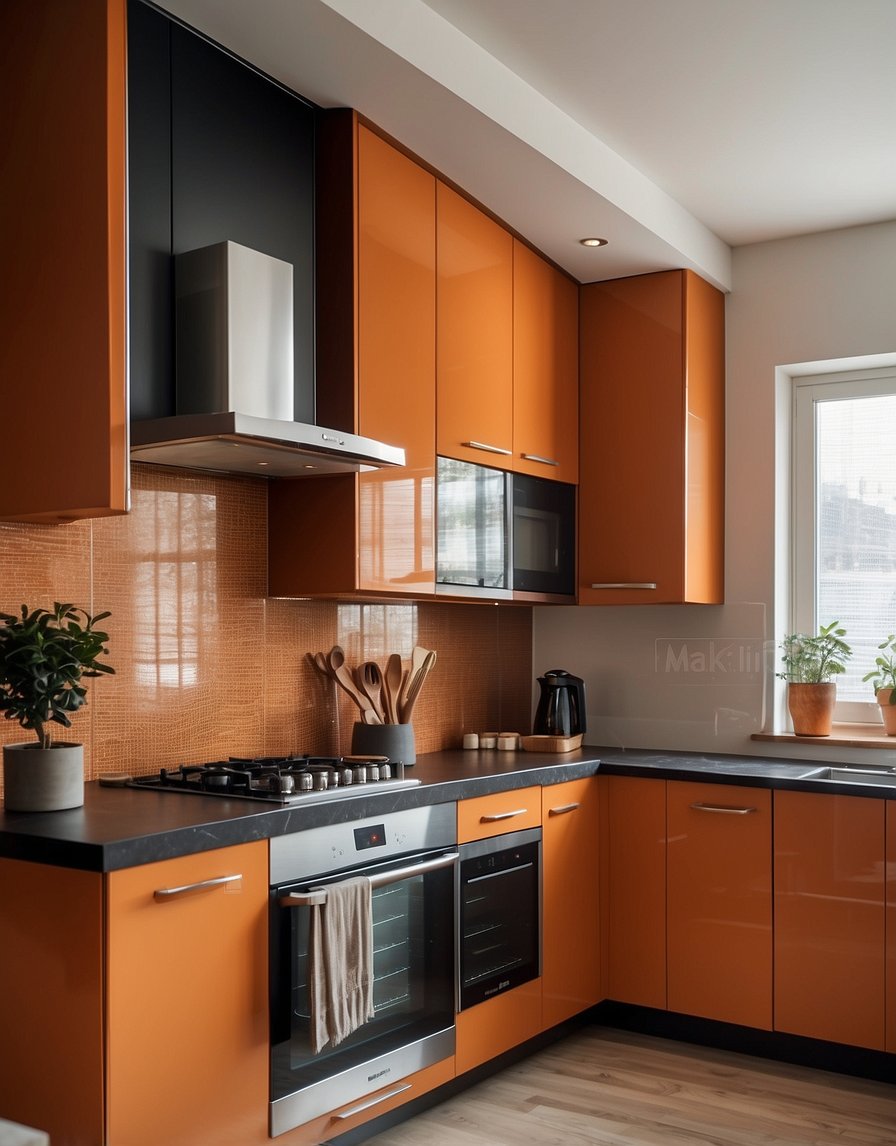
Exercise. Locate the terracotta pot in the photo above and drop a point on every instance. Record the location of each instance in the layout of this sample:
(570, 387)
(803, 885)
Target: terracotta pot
(811, 708)
(887, 710)
(39, 779)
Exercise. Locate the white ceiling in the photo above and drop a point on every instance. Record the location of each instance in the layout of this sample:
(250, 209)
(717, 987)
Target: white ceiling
(674, 128)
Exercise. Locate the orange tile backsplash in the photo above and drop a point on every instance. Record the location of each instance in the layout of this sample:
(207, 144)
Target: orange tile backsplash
(208, 666)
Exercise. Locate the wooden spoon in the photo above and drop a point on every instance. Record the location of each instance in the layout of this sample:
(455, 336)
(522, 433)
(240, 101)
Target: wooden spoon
(416, 684)
(392, 688)
(343, 677)
(372, 685)
(418, 656)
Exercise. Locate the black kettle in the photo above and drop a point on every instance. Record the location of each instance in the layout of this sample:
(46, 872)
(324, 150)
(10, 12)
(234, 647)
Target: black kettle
(561, 706)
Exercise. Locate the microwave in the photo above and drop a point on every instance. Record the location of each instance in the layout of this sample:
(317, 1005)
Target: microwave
(503, 535)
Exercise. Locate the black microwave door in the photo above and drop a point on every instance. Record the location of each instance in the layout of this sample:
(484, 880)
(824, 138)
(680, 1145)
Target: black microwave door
(544, 514)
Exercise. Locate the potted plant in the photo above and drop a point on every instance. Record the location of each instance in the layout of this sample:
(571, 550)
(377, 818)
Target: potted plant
(43, 656)
(809, 664)
(883, 680)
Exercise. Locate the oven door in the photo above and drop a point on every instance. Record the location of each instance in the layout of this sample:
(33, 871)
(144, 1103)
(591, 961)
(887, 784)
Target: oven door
(413, 992)
(499, 909)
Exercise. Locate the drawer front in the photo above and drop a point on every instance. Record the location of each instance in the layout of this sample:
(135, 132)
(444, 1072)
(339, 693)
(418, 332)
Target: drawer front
(485, 816)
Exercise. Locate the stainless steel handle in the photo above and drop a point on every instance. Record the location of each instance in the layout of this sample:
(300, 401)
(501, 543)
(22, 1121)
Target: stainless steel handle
(538, 458)
(361, 1107)
(318, 895)
(488, 449)
(164, 893)
(498, 874)
(493, 819)
(723, 809)
(563, 809)
(623, 584)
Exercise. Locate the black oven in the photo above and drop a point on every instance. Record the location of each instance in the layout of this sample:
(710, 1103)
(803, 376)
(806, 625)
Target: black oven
(410, 859)
(499, 910)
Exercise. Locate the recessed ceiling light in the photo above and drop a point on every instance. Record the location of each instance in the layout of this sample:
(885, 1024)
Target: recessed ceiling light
(594, 242)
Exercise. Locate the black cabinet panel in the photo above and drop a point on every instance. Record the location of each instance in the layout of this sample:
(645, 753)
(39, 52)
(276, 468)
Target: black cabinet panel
(243, 170)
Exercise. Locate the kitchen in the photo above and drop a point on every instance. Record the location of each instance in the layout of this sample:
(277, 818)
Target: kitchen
(192, 553)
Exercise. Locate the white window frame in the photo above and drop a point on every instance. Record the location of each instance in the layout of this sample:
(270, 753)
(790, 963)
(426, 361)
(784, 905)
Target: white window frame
(807, 391)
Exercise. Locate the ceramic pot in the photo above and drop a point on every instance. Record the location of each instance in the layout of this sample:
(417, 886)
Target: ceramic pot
(811, 707)
(396, 741)
(887, 710)
(39, 779)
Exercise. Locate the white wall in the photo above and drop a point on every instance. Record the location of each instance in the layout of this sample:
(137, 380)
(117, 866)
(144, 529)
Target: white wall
(808, 299)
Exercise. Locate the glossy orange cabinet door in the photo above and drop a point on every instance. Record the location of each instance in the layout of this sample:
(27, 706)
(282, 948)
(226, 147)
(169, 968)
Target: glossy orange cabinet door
(545, 368)
(636, 891)
(474, 334)
(376, 288)
(891, 927)
(62, 233)
(719, 895)
(51, 1000)
(187, 998)
(651, 493)
(498, 1025)
(501, 812)
(829, 917)
(570, 971)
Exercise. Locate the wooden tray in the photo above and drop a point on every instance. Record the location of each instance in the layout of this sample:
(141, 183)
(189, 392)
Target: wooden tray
(551, 743)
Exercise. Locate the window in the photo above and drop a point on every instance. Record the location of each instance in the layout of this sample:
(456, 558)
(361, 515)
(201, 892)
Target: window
(844, 503)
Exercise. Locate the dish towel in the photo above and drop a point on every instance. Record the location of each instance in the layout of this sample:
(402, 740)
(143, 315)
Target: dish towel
(341, 963)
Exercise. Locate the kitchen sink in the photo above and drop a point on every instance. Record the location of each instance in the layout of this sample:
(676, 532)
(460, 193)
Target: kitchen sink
(854, 774)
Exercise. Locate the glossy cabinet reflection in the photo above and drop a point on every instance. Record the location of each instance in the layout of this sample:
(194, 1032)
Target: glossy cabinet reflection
(829, 917)
(719, 929)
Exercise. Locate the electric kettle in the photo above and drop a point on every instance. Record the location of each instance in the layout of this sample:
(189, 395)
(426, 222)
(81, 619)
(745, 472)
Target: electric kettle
(561, 706)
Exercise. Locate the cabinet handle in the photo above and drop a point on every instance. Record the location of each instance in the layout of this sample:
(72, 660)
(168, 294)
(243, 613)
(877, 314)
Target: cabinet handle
(623, 584)
(488, 449)
(164, 893)
(495, 816)
(372, 1102)
(563, 809)
(724, 809)
(537, 458)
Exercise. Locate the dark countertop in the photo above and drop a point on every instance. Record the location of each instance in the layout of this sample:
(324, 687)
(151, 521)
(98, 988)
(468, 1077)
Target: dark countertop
(125, 827)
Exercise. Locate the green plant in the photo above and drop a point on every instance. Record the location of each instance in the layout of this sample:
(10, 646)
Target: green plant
(883, 675)
(814, 660)
(43, 656)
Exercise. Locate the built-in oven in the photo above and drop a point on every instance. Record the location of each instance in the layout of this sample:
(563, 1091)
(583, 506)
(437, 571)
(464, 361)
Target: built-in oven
(410, 859)
(499, 911)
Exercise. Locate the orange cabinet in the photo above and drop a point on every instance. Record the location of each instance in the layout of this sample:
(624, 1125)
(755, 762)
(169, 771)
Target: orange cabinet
(719, 896)
(570, 902)
(890, 990)
(829, 917)
(376, 376)
(498, 1025)
(474, 379)
(651, 473)
(636, 890)
(545, 368)
(501, 812)
(62, 232)
(186, 953)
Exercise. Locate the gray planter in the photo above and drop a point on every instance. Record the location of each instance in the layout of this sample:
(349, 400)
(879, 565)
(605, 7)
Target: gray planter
(39, 779)
(396, 741)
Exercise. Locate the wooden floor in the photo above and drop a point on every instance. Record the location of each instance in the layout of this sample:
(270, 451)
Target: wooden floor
(608, 1086)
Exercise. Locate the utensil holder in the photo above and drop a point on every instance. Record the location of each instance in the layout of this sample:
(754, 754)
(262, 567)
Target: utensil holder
(396, 741)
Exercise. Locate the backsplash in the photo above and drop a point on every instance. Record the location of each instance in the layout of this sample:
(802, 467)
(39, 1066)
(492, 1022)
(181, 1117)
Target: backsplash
(207, 666)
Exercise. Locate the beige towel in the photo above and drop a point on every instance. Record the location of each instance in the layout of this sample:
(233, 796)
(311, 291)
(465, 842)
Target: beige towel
(341, 962)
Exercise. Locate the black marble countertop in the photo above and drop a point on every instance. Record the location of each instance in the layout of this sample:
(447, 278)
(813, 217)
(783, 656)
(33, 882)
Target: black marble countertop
(125, 827)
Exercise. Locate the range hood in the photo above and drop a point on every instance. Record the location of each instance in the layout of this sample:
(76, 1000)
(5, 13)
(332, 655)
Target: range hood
(234, 378)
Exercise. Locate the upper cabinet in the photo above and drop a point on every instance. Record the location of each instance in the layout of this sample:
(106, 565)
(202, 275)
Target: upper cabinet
(474, 334)
(545, 369)
(376, 305)
(62, 205)
(651, 522)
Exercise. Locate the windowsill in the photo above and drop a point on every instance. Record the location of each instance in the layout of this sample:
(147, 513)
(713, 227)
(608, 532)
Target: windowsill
(845, 735)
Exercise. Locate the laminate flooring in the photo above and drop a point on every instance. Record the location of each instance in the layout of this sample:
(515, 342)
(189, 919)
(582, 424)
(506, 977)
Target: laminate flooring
(607, 1086)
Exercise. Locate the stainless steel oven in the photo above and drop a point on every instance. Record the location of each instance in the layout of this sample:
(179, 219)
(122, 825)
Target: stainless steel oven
(410, 860)
(499, 912)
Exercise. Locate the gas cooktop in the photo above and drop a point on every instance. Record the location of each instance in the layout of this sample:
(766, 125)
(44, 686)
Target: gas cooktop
(277, 779)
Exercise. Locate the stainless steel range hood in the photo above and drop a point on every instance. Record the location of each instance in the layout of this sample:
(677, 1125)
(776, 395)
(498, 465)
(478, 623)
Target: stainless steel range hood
(234, 378)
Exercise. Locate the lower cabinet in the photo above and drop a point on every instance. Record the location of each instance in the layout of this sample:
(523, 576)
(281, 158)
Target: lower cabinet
(719, 902)
(829, 917)
(498, 1025)
(890, 990)
(570, 980)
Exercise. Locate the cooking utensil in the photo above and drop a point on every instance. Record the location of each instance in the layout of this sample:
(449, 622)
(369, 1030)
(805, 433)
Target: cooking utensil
(392, 688)
(343, 677)
(416, 684)
(372, 685)
(418, 656)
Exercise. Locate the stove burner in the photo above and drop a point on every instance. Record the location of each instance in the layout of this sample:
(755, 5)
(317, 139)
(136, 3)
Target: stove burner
(279, 779)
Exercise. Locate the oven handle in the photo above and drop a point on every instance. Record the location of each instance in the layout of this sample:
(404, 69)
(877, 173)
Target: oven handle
(318, 895)
(400, 1089)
